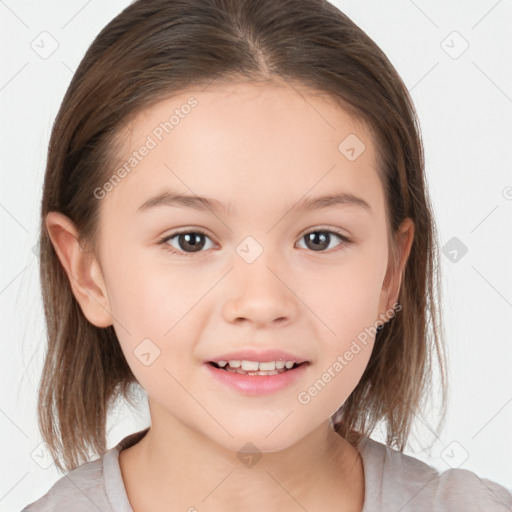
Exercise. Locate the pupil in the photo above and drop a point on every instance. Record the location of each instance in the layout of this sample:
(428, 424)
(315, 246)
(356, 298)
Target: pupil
(319, 239)
(192, 240)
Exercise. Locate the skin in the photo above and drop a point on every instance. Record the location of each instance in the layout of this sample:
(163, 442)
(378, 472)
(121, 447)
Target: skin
(259, 149)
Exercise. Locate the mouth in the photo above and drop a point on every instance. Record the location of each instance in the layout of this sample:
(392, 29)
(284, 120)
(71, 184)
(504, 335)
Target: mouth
(257, 378)
(257, 368)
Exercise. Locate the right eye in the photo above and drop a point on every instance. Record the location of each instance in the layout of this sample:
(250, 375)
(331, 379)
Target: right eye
(188, 242)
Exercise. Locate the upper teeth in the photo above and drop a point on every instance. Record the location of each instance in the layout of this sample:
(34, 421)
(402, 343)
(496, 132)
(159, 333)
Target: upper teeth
(257, 366)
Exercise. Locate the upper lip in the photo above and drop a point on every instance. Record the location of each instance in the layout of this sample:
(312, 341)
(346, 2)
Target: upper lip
(257, 355)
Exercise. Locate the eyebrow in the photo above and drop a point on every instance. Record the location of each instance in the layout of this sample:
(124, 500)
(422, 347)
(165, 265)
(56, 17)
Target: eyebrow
(173, 199)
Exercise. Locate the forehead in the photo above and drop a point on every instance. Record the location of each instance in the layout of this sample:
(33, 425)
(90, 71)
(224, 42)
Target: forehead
(241, 142)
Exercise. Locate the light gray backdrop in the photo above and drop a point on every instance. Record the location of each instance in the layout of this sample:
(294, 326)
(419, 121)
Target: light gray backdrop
(455, 58)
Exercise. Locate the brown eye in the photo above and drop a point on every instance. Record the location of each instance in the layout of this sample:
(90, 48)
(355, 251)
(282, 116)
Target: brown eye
(319, 240)
(190, 241)
(185, 242)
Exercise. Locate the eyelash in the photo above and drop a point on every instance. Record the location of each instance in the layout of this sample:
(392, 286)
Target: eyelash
(163, 241)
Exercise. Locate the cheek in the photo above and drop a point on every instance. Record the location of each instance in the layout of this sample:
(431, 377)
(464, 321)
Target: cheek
(156, 328)
(348, 309)
(150, 297)
(346, 300)
(345, 296)
(154, 306)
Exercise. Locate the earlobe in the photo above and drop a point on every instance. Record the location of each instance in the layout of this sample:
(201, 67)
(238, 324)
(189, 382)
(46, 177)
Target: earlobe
(82, 269)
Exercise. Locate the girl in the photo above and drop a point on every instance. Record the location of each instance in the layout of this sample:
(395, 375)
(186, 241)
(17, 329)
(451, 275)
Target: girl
(235, 218)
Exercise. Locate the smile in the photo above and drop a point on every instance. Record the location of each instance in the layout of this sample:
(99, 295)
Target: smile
(254, 367)
(252, 378)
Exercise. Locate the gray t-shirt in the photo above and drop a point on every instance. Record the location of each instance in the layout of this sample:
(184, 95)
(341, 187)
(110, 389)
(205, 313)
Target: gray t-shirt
(393, 482)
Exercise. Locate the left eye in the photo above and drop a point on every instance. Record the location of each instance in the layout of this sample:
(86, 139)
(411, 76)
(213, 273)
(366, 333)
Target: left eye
(321, 239)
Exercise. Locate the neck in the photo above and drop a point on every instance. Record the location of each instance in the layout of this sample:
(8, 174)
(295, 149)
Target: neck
(174, 464)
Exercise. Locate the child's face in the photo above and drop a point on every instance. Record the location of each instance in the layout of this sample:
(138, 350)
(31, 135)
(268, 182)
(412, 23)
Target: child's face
(256, 282)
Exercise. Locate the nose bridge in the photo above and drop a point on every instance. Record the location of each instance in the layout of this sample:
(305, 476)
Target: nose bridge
(258, 291)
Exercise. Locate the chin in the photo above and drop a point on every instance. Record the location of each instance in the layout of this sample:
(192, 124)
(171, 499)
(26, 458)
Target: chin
(266, 437)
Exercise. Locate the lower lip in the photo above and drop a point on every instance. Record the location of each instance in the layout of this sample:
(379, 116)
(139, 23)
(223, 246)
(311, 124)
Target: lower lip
(257, 384)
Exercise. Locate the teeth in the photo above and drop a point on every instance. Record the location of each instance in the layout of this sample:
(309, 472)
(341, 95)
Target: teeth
(242, 372)
(255, 366)
(251, 366)
(270, 365)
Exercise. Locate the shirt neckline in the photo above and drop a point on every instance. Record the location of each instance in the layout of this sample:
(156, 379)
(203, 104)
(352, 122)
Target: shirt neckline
(113, 479)
(116, 490)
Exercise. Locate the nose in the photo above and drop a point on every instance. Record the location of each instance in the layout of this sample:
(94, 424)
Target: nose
(259, 293)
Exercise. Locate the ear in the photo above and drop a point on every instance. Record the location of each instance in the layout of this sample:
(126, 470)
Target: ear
(393, 279)
(82, 268)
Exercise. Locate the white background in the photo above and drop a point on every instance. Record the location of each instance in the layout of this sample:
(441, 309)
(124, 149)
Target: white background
(465, 110)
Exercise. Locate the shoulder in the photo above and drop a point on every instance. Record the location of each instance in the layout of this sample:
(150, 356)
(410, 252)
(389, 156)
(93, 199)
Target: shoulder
(93, 486)
(80, 490)
(404, 482)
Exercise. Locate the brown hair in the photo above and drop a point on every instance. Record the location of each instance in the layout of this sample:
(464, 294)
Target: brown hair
(156, 48)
